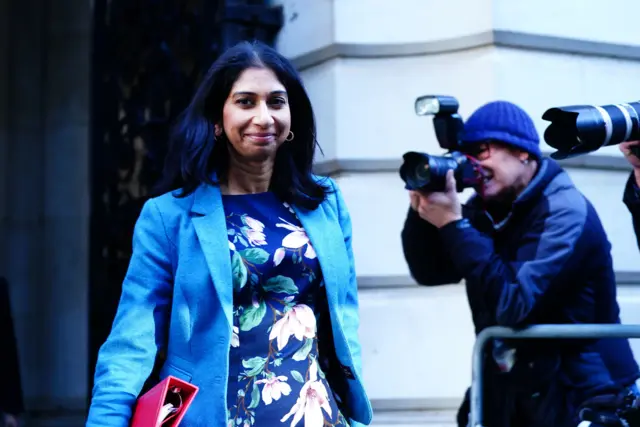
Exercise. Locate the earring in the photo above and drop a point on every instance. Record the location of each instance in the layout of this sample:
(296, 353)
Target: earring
(525, 161)
(290, 136)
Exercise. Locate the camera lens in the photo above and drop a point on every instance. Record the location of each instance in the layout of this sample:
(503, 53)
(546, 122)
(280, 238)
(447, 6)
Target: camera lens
(422, 172)
(580, 129)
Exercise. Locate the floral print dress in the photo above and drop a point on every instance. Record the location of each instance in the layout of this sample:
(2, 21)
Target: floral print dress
(274, 375)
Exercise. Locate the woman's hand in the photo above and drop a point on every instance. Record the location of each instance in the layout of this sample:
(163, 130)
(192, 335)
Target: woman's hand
(439, 208)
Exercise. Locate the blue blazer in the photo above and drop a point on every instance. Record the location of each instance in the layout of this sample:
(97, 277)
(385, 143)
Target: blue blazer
(178, 296)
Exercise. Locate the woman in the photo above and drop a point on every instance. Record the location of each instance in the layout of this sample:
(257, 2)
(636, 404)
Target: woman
(242, 271)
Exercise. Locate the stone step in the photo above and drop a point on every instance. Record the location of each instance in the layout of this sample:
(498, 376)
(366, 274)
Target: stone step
(431, 418)
(388, 420)
(61, 421)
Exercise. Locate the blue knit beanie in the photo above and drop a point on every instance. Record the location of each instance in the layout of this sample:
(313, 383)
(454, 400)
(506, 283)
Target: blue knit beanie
(504, 122)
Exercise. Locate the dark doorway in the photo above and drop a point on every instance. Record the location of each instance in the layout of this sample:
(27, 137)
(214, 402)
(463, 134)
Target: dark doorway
(148, 57)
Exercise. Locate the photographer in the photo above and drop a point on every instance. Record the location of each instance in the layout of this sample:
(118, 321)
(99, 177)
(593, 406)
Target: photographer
(631, 196)
(531, 250)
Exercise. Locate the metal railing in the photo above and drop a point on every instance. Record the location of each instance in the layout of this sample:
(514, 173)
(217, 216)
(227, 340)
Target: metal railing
(585, 331)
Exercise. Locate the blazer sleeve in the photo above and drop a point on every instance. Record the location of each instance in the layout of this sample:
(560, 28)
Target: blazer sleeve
(351, 316)
(140, 328)
(350, 312)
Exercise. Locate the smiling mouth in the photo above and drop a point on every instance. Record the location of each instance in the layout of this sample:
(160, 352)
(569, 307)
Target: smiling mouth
(261, 137)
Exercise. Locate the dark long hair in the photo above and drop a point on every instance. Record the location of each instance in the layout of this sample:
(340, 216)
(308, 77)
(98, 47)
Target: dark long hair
(195, 154)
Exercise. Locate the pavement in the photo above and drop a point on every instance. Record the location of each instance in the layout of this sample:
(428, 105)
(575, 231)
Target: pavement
(431, 418)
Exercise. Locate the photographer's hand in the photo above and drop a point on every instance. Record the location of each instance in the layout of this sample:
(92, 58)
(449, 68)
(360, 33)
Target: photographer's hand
(625, 147)
(438, 208)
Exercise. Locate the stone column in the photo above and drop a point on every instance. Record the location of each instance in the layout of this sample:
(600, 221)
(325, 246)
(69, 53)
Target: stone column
(4, 87)
(364, 63)
(24, 188)
(44, 160)
(66, 200)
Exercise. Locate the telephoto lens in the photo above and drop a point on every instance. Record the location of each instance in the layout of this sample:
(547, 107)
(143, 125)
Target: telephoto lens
(581, 129)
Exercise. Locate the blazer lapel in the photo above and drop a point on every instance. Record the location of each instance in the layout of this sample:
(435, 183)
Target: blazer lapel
(324, 236)
(211, 229)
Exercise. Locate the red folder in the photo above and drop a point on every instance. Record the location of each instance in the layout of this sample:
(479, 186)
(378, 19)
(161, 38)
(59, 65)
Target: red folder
(165, 404)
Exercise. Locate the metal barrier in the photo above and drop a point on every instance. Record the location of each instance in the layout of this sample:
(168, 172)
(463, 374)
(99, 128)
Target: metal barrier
(585, 331)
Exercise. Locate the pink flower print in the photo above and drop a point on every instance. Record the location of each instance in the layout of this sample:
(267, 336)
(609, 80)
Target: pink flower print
(255, 301)
(297, 239)
(313, 398)
(253, 224)
(310, 252)
(235, 338)
(254, 231)
(274, 388)
(256, 238)
(299, 322)
(288, 206)
(278, 256)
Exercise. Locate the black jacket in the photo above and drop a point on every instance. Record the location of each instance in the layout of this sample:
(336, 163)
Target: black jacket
(548, 262)
(11, 400)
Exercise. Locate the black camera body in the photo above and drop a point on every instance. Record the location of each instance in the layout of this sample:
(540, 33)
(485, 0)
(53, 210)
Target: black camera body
(580, 129)
(426, 172)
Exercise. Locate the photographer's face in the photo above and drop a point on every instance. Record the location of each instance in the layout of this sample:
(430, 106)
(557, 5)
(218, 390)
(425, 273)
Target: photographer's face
(504, 168)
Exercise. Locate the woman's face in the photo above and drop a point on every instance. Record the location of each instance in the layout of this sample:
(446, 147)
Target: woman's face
(256, 118)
